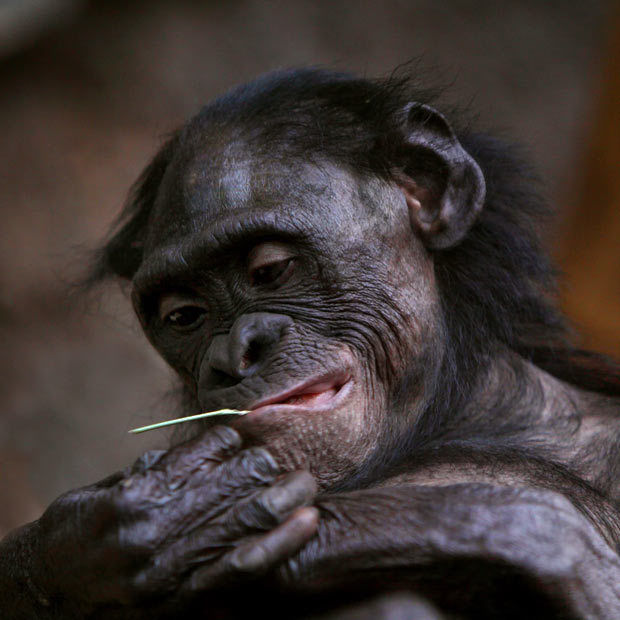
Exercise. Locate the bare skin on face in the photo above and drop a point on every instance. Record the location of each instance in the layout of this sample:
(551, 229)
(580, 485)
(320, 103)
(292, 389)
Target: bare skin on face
(315, 396)
(317, 399)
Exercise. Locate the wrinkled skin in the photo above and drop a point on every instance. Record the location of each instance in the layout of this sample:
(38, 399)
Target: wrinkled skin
(174, 524)
(290, 343)
(306, 294)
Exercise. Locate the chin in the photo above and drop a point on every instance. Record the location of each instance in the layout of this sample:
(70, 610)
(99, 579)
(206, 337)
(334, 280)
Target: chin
(322, 427)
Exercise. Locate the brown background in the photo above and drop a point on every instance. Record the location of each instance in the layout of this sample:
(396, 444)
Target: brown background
(89, 89)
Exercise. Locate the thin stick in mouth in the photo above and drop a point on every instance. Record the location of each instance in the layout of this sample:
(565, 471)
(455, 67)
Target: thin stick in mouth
(190, 418)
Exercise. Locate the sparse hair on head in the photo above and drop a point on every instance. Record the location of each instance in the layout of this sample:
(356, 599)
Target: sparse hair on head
(496, 286)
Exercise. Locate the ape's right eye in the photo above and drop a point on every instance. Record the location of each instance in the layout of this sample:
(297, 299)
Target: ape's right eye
(187, 316)
(181, 313)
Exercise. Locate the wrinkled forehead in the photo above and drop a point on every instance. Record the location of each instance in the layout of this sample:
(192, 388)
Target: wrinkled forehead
(213, 184)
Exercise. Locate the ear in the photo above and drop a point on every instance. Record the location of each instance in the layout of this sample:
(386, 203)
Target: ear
(443, 185)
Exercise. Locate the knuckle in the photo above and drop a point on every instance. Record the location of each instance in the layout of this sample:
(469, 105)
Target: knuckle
(263, 510)
(143, 538)
(260, 461)
(123, 501)
(304, 485)
(225, 437)
(295, 490)
(271, 505)
(147, 460)
(254, 465)
(248, 559)
(278, 501)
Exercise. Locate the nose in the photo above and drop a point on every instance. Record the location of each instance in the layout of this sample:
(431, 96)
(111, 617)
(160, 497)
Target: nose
(242, 351)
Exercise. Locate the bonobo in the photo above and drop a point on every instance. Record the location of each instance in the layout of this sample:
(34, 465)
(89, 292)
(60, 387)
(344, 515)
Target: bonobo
(366, 278)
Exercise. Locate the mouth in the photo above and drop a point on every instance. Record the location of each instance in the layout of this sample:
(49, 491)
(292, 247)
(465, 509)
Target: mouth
(320, 393)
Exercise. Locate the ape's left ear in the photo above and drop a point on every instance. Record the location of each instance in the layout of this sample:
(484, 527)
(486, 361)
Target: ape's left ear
(443, 185)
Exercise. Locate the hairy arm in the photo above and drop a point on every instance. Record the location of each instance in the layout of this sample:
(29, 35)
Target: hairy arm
(473, 548)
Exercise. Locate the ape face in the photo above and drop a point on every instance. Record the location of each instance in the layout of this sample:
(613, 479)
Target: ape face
(296, 290)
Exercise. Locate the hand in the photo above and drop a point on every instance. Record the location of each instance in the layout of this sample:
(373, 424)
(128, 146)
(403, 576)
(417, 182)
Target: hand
(175, 524)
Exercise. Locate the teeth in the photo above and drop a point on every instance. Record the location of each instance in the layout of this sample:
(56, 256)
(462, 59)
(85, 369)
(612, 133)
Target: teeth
(300, 398)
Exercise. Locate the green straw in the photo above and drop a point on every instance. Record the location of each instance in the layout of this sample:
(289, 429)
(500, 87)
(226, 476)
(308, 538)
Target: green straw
(190, 418)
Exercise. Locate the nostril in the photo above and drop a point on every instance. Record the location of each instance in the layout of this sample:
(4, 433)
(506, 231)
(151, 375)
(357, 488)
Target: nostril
(240, 353)
(251, 356)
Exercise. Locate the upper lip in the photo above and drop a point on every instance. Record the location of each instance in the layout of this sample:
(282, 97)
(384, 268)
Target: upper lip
(309, 386)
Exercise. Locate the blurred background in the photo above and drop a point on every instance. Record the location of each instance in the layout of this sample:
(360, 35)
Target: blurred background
(89, 89)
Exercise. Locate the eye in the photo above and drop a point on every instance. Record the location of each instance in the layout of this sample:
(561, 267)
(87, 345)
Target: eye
(274, 273)
(270, 264)
(181, 313)
(185, 317)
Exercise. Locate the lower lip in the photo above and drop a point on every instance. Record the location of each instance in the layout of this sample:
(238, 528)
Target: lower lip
(307, 403)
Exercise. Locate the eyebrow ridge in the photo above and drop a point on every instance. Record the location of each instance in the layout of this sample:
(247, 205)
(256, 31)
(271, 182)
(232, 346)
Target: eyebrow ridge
(170, 265)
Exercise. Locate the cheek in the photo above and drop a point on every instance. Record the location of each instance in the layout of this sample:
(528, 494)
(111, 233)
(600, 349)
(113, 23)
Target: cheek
(184, 358)
(414, 292)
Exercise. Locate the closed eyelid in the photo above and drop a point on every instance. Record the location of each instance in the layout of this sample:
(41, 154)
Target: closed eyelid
(269, 252)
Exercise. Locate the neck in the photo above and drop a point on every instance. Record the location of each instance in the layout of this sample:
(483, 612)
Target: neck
(515, 402)
(515, 405)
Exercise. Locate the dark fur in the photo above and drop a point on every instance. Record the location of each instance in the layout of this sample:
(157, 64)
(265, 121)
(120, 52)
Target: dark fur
(497, 286)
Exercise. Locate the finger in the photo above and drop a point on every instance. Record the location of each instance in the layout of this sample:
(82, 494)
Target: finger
(158, 474)
(259, 555)
(206, 494)
(262, 512)
(156, 494)
(277, 545)
(268, 508)
(142, 464)
(216, 444)
(245, 471)
(199, 455)
(147, 460)
(211, 494)
(248, 512)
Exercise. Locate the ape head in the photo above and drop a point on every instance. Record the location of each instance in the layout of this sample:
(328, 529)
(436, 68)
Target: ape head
(318, 248)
